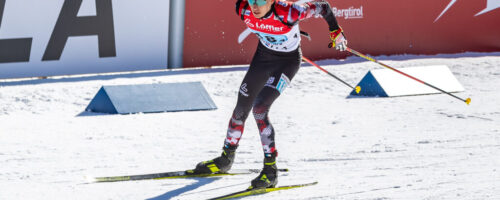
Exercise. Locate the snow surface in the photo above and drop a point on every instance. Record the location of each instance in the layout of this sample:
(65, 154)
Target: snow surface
(417, 147)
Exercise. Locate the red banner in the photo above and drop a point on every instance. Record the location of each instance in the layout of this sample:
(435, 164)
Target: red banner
(376, 27)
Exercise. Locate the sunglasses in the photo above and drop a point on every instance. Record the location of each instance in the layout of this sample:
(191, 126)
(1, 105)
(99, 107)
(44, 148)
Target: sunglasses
(258, 2)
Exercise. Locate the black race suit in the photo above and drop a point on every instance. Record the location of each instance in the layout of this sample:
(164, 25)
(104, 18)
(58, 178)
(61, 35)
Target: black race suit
(275, 63)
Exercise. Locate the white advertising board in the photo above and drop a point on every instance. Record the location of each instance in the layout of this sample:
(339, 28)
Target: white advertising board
(63, 37)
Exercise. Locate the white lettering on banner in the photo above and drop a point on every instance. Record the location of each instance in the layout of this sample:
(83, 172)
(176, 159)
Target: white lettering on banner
(64, 37)
(348, 13)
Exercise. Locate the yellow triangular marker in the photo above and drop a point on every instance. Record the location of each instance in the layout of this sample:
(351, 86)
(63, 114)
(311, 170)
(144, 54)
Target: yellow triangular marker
(358, 89)
(467, 101)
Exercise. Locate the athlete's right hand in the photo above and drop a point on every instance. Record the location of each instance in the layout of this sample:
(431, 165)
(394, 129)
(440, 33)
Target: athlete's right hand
(338, 39)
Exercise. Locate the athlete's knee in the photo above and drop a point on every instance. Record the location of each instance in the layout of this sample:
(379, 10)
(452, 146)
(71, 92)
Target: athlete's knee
(240, 113)
(260, 111)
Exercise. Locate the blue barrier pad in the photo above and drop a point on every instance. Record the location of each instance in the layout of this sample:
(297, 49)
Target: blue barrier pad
(369, 87)
(151, 98)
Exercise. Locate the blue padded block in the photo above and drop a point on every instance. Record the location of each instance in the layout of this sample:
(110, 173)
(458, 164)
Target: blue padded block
(370, 87)
(151, 98)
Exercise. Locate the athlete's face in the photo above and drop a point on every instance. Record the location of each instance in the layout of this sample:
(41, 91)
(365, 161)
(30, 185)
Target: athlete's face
(260, 11)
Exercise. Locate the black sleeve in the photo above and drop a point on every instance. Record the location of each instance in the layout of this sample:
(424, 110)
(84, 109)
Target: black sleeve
(327, 14)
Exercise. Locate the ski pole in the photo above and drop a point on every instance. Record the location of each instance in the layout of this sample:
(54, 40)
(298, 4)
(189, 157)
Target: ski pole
(467, 101)
(357, 89)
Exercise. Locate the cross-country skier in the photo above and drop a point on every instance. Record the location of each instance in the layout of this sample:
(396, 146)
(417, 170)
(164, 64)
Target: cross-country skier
(275, 63)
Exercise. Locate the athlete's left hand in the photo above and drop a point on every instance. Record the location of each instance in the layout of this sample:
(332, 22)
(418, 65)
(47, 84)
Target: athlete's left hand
(338, 39)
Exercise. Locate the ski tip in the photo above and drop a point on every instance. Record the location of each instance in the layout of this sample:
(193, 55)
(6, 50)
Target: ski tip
(309, 184)
(90, 179)
(467, 101)
(358, 89)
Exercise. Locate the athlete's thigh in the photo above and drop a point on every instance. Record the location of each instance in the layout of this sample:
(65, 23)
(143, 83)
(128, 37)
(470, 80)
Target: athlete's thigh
(281, 78)
(276, 84)
(253, 82)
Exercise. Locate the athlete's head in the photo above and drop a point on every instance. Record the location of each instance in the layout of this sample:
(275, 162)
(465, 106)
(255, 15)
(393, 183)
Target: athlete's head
(260, 7)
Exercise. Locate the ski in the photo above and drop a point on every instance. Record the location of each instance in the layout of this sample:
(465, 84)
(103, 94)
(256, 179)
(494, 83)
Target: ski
(171, 175)
(251, 192)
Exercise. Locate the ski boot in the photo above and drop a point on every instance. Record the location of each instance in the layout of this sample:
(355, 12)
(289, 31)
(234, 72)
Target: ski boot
(268, 177)
(221, 164)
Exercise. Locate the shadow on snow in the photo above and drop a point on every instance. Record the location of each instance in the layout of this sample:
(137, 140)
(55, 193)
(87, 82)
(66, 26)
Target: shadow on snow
(200, 182)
